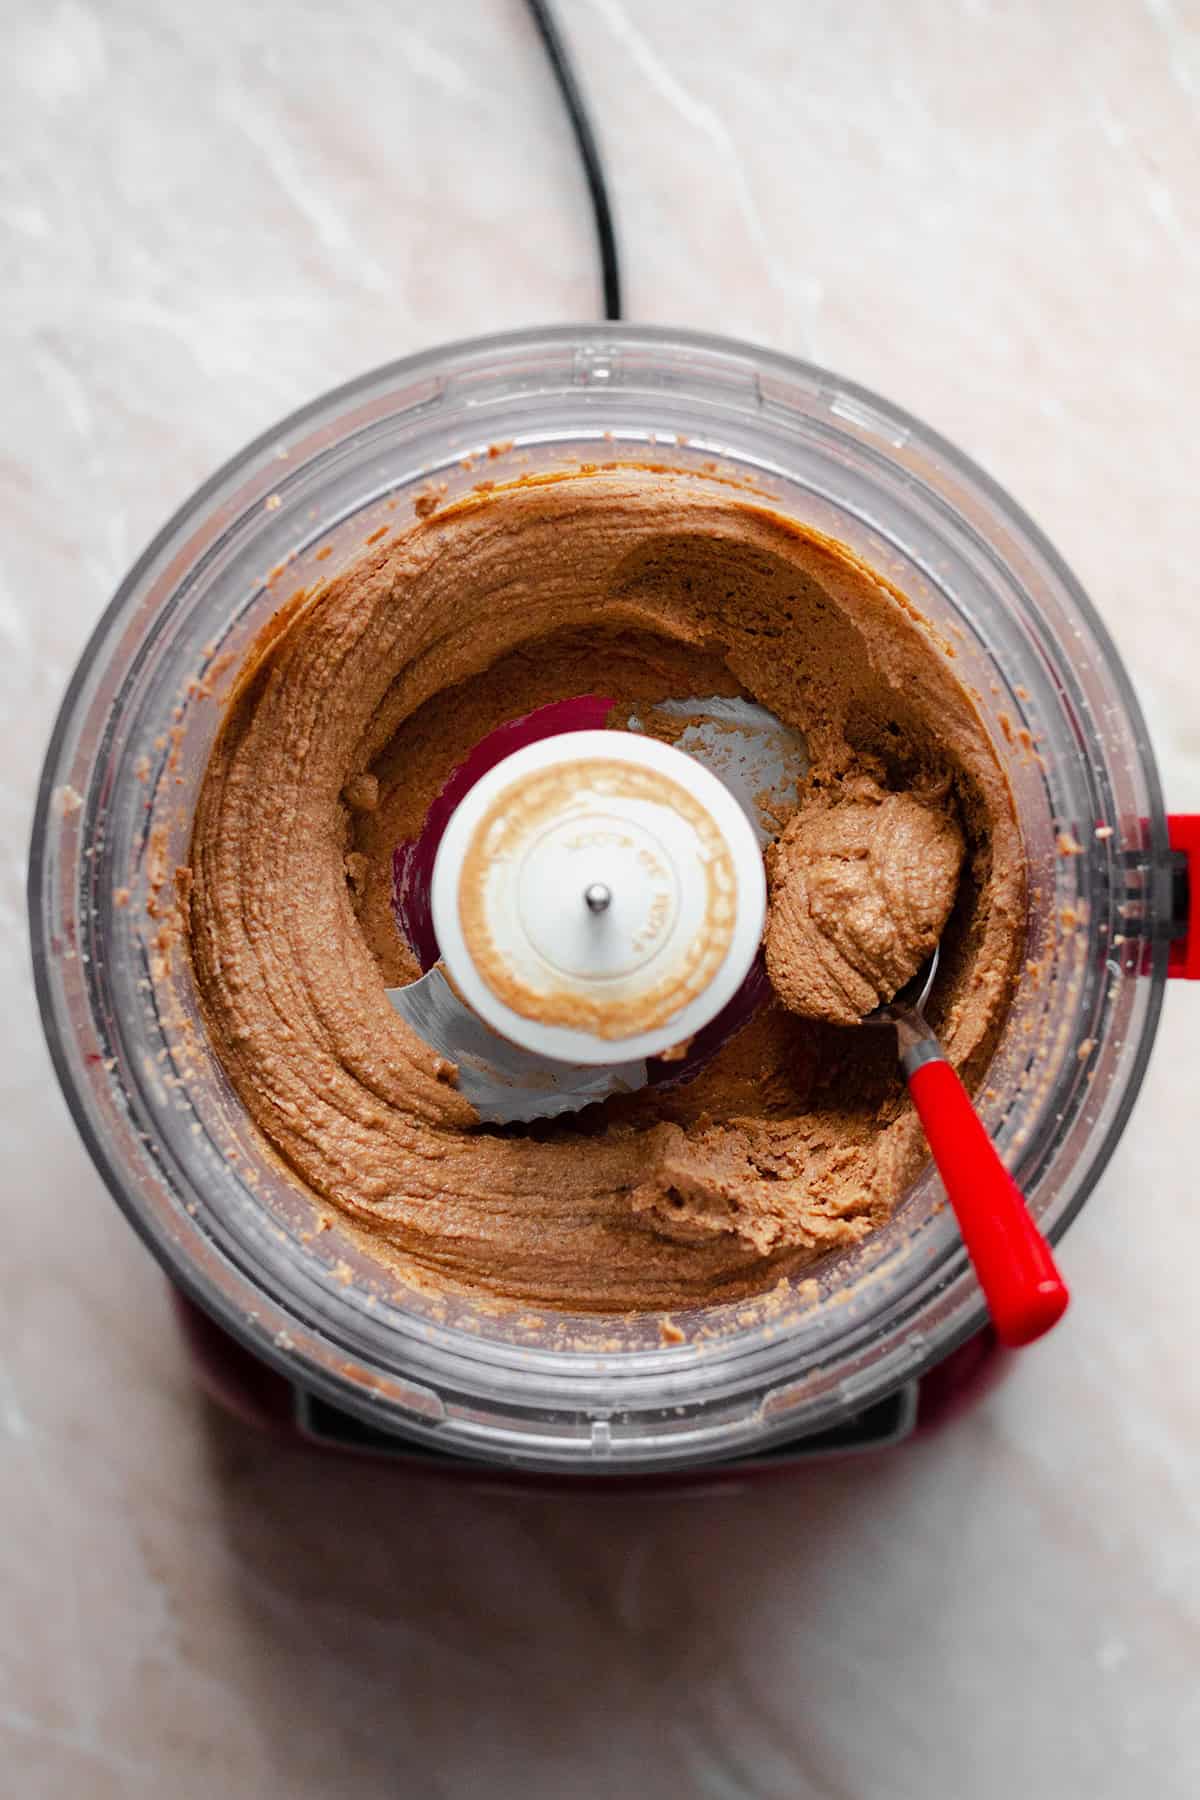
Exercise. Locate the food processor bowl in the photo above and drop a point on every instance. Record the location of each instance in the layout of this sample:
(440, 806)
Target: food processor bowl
(542, 1390)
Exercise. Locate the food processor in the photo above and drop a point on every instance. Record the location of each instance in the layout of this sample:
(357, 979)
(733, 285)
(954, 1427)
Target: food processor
(292, 1320)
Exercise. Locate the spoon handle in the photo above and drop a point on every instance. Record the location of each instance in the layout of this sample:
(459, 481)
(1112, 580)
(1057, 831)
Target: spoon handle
(1025, 1293)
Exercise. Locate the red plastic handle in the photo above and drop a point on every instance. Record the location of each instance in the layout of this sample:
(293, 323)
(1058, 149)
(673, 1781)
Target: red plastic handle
(1025, 1293)
(1184, 834)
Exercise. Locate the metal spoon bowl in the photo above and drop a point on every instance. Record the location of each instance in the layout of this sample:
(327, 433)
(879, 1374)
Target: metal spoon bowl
(911, 998)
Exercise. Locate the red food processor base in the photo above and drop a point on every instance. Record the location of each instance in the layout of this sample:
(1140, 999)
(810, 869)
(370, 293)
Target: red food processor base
(260, 1396)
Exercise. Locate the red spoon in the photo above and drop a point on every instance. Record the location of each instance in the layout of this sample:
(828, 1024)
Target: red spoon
(1025, 1293)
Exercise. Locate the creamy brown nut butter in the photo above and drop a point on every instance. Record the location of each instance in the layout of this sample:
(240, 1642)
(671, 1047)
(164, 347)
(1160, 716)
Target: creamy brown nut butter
(797, 1138)
(862, 883)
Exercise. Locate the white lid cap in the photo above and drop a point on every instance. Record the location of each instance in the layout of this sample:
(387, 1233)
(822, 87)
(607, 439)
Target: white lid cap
(598, 896)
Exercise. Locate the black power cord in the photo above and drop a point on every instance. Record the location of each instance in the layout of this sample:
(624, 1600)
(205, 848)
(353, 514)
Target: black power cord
(585, 138)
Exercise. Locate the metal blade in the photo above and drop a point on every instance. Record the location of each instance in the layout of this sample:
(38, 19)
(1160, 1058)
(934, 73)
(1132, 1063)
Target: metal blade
(757, 757)
(503, 1082)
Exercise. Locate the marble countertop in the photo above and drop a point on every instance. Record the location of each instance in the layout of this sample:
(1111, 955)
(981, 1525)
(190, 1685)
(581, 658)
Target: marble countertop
(207, 215)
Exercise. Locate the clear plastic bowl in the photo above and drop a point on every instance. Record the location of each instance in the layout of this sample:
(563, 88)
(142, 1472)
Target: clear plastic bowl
(129, 750)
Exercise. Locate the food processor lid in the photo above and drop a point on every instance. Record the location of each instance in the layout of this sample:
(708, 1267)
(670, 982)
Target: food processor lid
(598, 896)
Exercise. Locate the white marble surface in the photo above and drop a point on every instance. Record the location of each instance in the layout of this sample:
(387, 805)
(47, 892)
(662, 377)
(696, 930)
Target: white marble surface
(990, 213)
